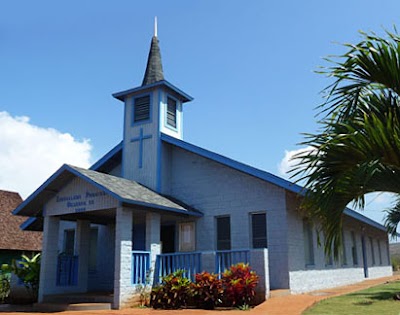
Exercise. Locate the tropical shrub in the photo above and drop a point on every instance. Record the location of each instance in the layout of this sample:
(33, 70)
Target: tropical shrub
(235, 287)
(4, 286)
(395, 263)
(207, 290)
(28, 271)
(174, 292)
(239, 283)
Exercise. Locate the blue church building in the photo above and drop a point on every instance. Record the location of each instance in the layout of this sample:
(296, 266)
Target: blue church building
(155, 203)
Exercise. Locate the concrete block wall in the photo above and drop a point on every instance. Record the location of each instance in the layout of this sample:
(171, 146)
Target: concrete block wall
(259, 263)
(218, 190)
(123, 289)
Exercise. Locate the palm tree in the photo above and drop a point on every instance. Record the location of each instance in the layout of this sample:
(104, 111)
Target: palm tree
(357, 149)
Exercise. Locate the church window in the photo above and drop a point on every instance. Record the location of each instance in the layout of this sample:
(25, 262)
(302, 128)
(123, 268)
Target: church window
(354, 248)
(259, 230)
(308, 243)
(223, 233)
(141, 108)
(171, 112)
(186, 237)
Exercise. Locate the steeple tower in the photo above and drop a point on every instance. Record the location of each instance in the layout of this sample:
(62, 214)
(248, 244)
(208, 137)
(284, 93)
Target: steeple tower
(154, 71)
(151, 109)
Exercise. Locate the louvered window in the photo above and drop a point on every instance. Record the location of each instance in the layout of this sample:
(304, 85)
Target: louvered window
(259, 230)
(171, 112)
(223, 233)
(142, 108)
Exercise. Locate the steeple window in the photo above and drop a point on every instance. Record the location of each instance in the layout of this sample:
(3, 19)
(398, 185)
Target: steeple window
(171, 112)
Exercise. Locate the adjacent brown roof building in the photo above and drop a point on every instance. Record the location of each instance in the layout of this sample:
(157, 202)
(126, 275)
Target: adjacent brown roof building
(11, 236)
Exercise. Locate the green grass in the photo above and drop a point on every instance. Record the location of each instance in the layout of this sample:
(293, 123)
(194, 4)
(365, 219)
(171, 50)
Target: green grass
(376, 300)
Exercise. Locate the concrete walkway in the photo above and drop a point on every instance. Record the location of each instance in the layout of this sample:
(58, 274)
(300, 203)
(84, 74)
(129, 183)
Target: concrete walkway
(281, 305)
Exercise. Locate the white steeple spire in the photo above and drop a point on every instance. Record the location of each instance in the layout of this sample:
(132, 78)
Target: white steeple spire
(155, 26)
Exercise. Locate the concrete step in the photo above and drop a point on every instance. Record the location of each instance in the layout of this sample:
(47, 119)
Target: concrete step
(78, 298)
(59, 307)
(280, 292)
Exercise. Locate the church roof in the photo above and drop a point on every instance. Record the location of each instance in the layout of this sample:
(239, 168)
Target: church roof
(247, 169)
(266, 176)
(11, 236)
(127, 192)
(163, 83)
(154, 71)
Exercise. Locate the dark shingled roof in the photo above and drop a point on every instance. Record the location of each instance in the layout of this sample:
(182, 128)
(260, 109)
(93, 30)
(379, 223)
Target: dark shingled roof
(125, 191)
(154, 70)
(129, 191)
(11, 236)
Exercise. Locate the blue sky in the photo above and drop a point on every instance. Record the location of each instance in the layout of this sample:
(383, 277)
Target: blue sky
(248, 64)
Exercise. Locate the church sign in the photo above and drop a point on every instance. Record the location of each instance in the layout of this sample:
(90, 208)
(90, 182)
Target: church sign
(79, 196)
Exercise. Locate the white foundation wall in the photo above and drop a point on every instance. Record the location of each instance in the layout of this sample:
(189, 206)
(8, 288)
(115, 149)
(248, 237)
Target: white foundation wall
(310, 280)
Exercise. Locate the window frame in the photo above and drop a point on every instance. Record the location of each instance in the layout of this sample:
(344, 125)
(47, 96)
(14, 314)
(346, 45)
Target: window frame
(142, 121)
(217, 233)
(192, 244)
(308, 241)
(264, 238)
(354, 251)
(175, 128)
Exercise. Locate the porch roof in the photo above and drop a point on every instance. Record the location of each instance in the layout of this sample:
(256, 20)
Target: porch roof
(124, 191)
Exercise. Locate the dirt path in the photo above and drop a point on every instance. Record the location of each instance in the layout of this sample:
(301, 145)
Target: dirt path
(282, 305)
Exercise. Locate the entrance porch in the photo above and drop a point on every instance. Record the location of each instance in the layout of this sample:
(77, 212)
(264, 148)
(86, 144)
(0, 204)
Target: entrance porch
(128, 252)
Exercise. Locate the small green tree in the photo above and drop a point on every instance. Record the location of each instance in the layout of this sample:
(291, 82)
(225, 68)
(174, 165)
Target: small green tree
(28, 270)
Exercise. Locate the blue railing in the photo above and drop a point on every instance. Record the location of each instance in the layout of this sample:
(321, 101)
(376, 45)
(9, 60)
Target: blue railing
(140, 266)
(67, 270)
(226, 258)
(169, 263)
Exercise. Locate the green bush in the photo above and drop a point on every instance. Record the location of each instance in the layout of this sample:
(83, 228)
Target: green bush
(395, 263)
(4, 286)
(28, 270)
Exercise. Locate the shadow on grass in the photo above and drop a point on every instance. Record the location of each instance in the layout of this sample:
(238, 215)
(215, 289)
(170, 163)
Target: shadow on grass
(379, 296)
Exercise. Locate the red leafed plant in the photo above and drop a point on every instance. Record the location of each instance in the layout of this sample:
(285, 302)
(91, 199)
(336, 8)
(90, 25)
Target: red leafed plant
(207, 290)
(239, 283)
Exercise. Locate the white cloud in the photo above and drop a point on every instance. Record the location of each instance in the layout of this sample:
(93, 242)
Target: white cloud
(287, 162)
(30, 154)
